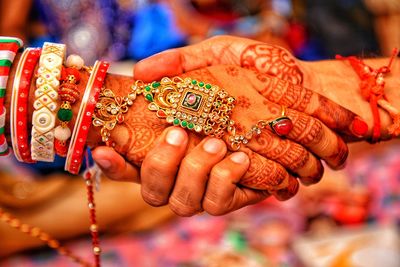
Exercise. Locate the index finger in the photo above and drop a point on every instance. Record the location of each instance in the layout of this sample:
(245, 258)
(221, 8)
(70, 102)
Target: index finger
(221, 50)
(302, 99)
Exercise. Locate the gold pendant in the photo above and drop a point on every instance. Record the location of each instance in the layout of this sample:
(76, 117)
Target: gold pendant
(190, 104)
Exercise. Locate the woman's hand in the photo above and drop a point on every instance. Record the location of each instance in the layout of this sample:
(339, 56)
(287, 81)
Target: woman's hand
(281, 78)
(272, 160)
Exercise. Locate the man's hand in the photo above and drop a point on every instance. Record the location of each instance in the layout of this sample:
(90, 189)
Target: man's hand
(274, 162)
(168, 176)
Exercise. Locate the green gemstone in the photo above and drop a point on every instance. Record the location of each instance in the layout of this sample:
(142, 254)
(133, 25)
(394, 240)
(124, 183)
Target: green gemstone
(156, 84)
(208, 86)
(184, 124)
(1, 130)
(176, 122)
(147, 88)
(201, 84)
(191, 125)
(64, 114)
(149, 97)
(194, 82)
(2, 92)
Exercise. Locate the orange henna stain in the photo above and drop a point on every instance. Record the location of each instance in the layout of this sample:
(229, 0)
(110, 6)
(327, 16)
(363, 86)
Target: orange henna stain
(272, 60)
(243, 102)
(264, 174)
(232, 71)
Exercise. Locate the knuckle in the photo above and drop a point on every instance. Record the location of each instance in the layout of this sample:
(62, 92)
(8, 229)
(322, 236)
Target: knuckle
(307, 129)
(219, 38)
(265, 175)
(221, 173)
(154, 199)
(158, 163)
(277, 176)
(182, 209)
(291, 155)
(192, 163)
(215, 207)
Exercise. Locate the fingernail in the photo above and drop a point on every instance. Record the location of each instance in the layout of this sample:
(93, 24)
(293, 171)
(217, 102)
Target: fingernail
(213, 146)
(239, 157)
(175, 137)
(359, 127)
(103, 163)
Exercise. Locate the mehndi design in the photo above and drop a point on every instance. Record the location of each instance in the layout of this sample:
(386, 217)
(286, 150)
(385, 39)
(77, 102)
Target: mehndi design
(188, 103)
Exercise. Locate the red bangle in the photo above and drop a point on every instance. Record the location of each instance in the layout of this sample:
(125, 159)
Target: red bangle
(19, 104)
(84, 118)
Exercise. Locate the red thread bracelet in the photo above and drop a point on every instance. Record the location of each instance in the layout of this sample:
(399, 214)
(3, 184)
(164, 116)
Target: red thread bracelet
(372, 87)
(84, 118)
(19, 104)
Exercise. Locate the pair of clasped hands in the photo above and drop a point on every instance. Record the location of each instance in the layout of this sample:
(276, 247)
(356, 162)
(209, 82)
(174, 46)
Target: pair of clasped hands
(193, 173)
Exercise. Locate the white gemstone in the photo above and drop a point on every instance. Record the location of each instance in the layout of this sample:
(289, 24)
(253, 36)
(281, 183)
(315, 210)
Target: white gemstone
(62, 133)
(75, 61)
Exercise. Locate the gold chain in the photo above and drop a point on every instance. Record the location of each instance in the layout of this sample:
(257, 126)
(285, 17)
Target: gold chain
(188, 103)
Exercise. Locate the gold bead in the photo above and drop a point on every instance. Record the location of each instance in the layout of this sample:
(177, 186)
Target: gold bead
(53, 244)
(93, 228)
(35, 232)
(96, 250)
(15, 223)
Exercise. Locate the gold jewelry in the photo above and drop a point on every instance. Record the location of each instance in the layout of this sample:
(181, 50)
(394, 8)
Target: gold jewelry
(187, 103)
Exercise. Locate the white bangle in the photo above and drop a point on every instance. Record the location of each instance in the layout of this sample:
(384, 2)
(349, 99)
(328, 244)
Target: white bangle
(45, 105)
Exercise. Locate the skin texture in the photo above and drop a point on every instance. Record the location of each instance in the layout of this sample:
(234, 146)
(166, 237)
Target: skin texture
(332, 79)
(266, 176)
(259, 93)
(264, 172)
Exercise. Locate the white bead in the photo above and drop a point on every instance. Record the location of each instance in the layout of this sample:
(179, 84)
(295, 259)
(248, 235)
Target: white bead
(62, 134)
(74, 61)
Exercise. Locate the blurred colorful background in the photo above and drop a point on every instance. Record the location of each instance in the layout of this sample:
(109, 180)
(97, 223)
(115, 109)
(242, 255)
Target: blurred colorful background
(351, 218)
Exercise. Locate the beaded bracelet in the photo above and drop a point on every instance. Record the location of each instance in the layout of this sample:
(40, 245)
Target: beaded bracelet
(69, 94)
(19, 104)
(9, 47)
(45, 105)
(84, 117)
(372, 87)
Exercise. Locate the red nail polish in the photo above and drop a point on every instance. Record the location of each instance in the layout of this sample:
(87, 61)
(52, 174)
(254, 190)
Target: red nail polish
(359, 127)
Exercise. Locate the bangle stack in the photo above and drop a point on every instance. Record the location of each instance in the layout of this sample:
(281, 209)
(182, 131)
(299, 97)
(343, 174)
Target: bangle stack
(45, 105)
(55, 83)
(8, 48)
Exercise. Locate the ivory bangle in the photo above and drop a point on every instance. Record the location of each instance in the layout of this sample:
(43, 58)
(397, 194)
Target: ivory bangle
(45, 105)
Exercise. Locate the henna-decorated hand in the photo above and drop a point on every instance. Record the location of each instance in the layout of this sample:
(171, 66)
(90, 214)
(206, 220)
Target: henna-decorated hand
(274, 162)
(281, 78)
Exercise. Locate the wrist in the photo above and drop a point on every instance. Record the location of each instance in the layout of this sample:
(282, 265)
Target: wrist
(117, 83)
(338, 81)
